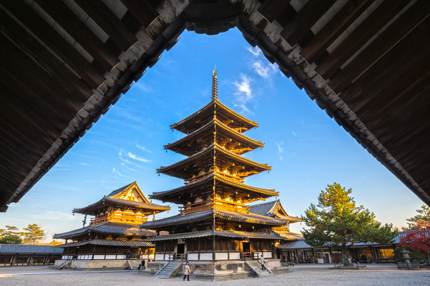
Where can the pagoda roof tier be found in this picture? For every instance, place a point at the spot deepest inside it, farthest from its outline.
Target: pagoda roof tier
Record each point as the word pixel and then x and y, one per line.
pixel 205 136
pixel 106 228
pixel 94 208
pixel 219 233
pixel 182 219
pixel 204 160
pixel 185 193
pixel 108 242
pixel 207 113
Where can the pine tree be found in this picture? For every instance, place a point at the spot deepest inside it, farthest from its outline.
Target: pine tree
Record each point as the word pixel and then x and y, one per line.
pixel 422 218
pixel 10 235
pixel 32 233
pixel 337 221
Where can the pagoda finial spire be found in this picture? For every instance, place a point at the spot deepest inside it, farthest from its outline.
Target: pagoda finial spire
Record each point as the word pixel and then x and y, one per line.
pixel 214 85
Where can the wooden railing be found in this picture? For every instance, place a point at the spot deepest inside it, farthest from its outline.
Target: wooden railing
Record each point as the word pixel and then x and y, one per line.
pixel 99 219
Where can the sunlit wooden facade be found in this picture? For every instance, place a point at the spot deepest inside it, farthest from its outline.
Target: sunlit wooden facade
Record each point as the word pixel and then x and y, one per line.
pixel 113 232
pixel 215 220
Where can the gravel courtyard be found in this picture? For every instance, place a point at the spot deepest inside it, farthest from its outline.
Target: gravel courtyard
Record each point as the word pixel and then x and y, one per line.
pixel 299 276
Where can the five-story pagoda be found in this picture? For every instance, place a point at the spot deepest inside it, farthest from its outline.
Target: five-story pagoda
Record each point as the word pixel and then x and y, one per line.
pixel 215 222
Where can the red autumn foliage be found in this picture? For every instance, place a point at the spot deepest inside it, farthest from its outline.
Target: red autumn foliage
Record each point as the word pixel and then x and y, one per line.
pixel 417 239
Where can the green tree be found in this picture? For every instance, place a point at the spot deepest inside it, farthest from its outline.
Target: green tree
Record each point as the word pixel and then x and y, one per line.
pixel 10 235
pixel 421 218
pixel 32 233
pixel 338 221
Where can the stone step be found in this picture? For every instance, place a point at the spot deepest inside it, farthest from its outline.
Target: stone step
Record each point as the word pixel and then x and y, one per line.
pixel 256 268
pixel 169 269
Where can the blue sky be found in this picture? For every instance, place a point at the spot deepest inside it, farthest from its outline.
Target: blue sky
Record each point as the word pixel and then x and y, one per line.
pixel 306 148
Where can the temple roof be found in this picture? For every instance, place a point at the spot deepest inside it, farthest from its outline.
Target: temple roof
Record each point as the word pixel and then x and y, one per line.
pixel 204 159
pixel 219 233
pixel 204 136
pixel 183 193
pixel 106 228
pixel 273 209
pixel 129 196
pixel 106 242
pixel 92 209
pixel 181 219
pixel 205 114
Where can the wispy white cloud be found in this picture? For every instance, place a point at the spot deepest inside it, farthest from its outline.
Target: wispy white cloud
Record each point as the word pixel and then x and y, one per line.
pixel 118 173
pixel 243 107
pixel 258 64
pixel 122 158
pixel 128 162
pixel 280 149
pixel 264 70
pixel 144 87
pixel 261 69
pixel 126 166
pixel 243 86
pixel 255 51
pixel 243 92
pixel 137 157
pixel 143 148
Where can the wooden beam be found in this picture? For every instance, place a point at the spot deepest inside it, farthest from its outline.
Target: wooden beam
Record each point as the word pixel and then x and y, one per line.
pixel 317 45
pixel 408 56
pixel 279 10
pixel 386 41
pixel 373 23
pixel 91 74
pixel 141 11
pixel 402 97
pixel 304 20
pixel 411 106
pixel 24 41
pixel 109 22
pixel 105 55
pixel 34 90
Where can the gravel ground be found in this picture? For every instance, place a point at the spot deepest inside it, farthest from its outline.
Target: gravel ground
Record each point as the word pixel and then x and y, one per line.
pixel 42 276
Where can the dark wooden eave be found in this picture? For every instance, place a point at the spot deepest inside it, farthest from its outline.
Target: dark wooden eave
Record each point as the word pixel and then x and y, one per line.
pixel 208 215
pixel 204 159
pixel 204 136
pixel 365 62
pixel 109 242
pixel 106 229
pixel 204 185
pixel 202 116
pixel 218 233
pixel 106 202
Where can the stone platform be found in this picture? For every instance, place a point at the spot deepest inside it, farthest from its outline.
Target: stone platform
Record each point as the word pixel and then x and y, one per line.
pixel 222 270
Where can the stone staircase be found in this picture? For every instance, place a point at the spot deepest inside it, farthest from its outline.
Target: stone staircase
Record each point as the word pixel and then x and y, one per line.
pixel 168 270
pixel 65 264
pixel 255 267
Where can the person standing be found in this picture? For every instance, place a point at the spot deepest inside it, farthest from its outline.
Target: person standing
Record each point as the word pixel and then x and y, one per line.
pixel 262 262
pixel 187 271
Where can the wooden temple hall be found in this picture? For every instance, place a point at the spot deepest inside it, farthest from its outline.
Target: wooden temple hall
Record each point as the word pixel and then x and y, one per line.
pixel 215 222
pixel 113 235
